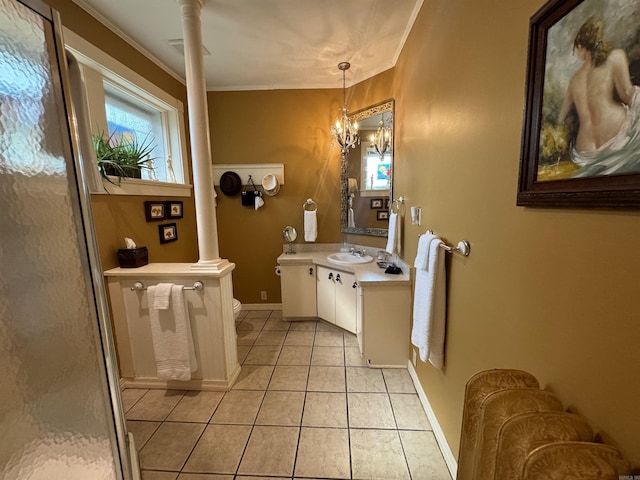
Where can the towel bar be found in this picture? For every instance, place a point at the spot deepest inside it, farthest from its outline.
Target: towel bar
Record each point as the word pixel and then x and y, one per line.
pixel 139 286
pixel 463 247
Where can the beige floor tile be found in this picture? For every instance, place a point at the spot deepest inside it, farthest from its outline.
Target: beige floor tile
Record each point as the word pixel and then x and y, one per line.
pixel 271 337
pixel 130 396
pixel 323 326
pixel 155 405
pixel 141 431
pixel 243 350
pixel 170 446
pixel 204 476
pixel 350 340
pixel 263 355
pixel 247 337
pixel 323 452
pixel 152 475
pixel 275 314
pixel 261 314
pixel 370 410
pixel 326 379
pixel 353 358
pixel 295 355
pixel 329 339
pixel 325 410
pixel 253 377
pixel 252 323
pixel 423 456
pixel 196 406
pixel 238 407
pixel 398 380
pixel 328 356
pixel 365 380
pixel 281 408
pixel 271 451
pixel 289 377
pixel 378 454
pixel 303 326
pixel 409 412
pixel 295 337
pixel 276 324
pixel 242 315
pixel 219 449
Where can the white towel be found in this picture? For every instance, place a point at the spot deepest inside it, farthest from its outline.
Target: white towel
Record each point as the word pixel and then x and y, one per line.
pixel 310 226
pixel 171 336
pixel 422 255
pixel 353 186
pixel 429 304
pixel 394 239
pixel 351 221
pixel 162 294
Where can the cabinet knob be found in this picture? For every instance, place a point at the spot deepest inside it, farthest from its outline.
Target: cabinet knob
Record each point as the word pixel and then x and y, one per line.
pixel 310 271
pixel 338 278
pixel 330 275
pixel 355 285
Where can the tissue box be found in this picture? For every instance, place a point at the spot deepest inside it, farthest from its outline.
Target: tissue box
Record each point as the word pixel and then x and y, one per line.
pixel 133 257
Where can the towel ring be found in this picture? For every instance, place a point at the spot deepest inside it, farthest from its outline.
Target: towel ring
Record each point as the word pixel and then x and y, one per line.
pixel 309 205
pixel 396 204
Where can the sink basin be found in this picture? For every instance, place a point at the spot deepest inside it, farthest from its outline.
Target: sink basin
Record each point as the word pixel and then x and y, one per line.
pixel 348 258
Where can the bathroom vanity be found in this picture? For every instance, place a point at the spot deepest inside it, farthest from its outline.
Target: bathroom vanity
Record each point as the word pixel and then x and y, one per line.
pixel 359 298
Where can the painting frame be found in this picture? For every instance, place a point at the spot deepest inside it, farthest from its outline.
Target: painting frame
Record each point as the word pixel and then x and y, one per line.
pixel 174 209
pixel 375 203
pixel 168 232
pixel 154 211
pixel 599 191
pixel 382 215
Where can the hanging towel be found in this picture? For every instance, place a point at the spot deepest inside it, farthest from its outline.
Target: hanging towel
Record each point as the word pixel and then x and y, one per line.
pixel 162 294
pixel 310 226
pixel 351 221
pixel 429 306
pixel 171 336
pixel 353 186
pixel 394 240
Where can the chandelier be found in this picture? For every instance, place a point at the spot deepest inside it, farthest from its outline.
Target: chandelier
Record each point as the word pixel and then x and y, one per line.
pixel 381 140
pixel 344 131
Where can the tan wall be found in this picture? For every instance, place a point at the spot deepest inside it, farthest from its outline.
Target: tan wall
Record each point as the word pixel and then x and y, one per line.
pixel 280 126
pixel 118 216
pixel 551 291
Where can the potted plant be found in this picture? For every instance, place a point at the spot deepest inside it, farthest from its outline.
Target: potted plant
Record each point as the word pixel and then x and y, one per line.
pixel 122 156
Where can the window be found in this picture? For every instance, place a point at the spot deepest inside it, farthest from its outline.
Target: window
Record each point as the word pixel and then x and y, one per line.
pixel 121 103
pixel 376 171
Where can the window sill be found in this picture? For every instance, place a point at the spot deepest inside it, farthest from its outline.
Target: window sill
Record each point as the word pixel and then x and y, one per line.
pixel 132 186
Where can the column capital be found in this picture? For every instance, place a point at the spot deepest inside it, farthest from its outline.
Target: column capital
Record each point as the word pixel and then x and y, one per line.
pixel 191 3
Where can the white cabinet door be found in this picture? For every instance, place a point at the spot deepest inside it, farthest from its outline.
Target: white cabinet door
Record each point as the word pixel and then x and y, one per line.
pixel 298 285
pixel 326 294
pixel 346 294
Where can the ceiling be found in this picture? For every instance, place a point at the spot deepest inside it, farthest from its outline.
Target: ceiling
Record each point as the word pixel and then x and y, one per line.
pixel 269 44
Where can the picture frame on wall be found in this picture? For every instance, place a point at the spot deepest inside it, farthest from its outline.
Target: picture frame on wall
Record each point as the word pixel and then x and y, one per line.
pixel 563 163
pixel 174 209
pixel 154 211
pixel 375 203
pixel 168 232
pixel 382 215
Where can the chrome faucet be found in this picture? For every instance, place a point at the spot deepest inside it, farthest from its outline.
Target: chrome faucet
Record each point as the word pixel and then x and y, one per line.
pixel 358 253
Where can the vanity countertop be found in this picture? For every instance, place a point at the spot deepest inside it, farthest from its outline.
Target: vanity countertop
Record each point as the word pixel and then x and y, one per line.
pixel 367 274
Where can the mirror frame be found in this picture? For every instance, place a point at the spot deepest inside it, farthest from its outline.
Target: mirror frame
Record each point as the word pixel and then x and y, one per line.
pixel 378 108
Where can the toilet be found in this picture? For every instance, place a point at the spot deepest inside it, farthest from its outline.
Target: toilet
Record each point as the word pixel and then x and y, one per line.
pixel 237 306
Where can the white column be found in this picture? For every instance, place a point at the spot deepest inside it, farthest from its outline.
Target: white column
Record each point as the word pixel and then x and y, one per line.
pixel 199 131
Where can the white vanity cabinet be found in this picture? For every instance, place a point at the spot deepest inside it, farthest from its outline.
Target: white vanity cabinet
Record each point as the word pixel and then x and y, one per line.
pixel 383 317
pixel 298 285
pixel 336 298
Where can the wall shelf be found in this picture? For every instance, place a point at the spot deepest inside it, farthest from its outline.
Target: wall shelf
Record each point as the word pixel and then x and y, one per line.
pixel 256 170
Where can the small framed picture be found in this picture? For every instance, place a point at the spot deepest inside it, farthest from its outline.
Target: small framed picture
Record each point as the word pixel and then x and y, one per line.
pixel 154 211
pixel 375 203
pixel 383 215
pixel 168 232
pixel 174 209
pixel 386 204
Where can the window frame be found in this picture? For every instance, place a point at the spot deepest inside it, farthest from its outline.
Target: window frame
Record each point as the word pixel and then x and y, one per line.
pixel 98 67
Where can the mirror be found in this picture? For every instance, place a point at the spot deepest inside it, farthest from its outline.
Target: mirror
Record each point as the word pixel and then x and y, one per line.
pixel 366 176
pixel 289 234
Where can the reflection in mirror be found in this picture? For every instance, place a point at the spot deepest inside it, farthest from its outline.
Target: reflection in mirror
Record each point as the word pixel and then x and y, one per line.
pixel 289 234
pixel 366 176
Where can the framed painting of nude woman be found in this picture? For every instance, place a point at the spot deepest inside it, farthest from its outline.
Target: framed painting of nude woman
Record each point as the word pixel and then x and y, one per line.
pixel 581 127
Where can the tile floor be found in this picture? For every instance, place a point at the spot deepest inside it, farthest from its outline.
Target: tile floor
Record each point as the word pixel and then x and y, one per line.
pixel 304 407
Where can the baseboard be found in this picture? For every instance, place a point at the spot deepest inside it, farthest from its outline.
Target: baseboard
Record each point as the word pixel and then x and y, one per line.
pixel 261 306
pixel 449 458
pixel 203 385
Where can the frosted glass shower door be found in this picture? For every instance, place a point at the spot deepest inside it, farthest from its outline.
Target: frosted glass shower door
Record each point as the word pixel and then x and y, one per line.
pixel 59 414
